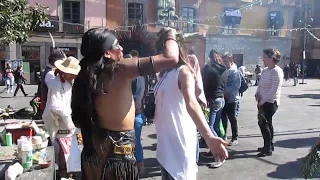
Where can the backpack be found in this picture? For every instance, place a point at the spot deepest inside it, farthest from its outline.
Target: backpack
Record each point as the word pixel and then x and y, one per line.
pixel 149 101
pixel 134 86
pixel 208 81
pixel 17 75
pixel 244 86
pixel 258 70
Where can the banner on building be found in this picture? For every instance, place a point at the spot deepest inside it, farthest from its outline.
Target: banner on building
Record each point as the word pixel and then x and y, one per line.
pixel 14 63
pixel 26 70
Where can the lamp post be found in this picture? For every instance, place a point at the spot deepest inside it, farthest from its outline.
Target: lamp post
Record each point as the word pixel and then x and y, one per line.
pixel 306 22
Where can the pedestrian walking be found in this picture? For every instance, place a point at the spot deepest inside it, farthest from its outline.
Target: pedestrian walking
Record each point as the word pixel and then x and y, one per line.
pixel 20 80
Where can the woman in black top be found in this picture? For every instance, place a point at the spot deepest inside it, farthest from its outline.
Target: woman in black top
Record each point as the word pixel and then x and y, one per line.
pixel 20 80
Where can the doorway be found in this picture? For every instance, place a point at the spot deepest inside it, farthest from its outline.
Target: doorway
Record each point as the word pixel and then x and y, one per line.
pixel 238 59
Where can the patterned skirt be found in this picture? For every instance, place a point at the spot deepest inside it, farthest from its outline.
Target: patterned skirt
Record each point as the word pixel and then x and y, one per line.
pixel 114 158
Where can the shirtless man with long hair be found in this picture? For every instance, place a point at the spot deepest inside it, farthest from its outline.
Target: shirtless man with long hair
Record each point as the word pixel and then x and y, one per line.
pixel 103 106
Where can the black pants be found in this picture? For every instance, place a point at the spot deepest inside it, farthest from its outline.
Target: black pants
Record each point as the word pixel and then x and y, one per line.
pixel 229 112
pixel 19 86
pixel 266 111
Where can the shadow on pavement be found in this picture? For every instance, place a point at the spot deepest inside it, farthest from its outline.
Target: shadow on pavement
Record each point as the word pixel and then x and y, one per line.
pixel 312 90
pixel 290 170
pixel 286 133
pixel 314 105
pixel 152 136
pixel 309 96
pixel 153 147
pixel 233 154
pixel 296 143
pixel 152 167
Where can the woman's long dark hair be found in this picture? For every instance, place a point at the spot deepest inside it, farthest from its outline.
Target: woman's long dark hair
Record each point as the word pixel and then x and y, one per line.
pixel 95 69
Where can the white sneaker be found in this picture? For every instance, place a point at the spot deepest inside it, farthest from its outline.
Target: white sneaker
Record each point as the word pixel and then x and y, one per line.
pixel 217 164
pixel 11 91
pixel 8 90
pixel 233 142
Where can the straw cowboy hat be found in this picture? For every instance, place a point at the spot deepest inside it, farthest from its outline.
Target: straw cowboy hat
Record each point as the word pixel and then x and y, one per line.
pixel 69 65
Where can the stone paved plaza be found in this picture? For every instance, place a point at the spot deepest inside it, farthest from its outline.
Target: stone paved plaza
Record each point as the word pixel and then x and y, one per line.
pixel 296 129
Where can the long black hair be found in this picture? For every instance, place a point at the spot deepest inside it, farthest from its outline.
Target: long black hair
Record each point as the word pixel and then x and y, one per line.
pixel 95 70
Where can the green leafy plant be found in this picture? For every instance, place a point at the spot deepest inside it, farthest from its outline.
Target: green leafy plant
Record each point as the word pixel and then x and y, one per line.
pixel 206 112
pixel 18 19
pixel 311 163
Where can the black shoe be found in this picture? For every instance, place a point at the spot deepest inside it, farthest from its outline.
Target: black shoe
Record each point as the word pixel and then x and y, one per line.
pixel 207 155
pixel 25 95
pixel 265 153
pixel 261 148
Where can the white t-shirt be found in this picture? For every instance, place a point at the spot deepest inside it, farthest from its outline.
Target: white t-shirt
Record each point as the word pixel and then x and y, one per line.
pixel 176 131
pixel 242 69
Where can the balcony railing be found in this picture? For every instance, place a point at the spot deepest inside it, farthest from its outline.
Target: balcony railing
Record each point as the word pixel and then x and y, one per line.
pixel 74 28
pixel 296 3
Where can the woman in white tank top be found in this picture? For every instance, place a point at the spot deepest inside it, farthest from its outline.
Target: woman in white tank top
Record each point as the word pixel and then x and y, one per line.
pixel 177 117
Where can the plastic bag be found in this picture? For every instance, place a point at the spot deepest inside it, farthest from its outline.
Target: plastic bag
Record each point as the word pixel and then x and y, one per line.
pixel 73 159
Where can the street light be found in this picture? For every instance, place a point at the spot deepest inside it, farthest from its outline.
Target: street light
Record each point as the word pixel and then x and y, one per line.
pixel 306 22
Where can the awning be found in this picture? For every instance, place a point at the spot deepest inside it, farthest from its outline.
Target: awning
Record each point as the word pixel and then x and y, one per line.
pixel 232 16
pixel 276 19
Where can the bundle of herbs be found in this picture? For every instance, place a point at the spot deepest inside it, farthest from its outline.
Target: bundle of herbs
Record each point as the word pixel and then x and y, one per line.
pixel 206 112
pixel 311 163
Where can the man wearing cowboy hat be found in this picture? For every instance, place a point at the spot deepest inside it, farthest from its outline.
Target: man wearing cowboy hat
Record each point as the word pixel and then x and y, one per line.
pixel 57 113
pixel 48 75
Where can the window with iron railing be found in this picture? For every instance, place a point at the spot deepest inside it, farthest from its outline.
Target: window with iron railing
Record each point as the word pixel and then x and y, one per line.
pixel 72 21
pixel 273 1
pixel 231 29
pixel 135 13
pixel 273 31
pixel 188 14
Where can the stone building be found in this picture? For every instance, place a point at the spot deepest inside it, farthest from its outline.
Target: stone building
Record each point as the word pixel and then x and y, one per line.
pixel 236 33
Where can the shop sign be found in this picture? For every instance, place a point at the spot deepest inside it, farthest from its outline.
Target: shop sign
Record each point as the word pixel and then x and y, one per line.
pixel 51 25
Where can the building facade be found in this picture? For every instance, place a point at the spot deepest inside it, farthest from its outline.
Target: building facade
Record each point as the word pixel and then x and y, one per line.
pixel 307 15
pixel 153 12
pixel 236 33
pixel 68 20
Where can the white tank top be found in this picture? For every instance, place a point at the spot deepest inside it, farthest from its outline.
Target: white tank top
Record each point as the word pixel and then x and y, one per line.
pixel 176 131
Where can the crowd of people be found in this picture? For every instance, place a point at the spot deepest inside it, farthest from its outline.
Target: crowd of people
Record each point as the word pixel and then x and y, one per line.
pixel 106 96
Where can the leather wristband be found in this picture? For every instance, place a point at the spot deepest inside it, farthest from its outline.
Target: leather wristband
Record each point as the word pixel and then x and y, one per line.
pixel 146 67
pixel 170 39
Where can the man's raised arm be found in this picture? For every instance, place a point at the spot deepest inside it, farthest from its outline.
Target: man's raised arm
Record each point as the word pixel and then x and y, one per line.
pixel 133 67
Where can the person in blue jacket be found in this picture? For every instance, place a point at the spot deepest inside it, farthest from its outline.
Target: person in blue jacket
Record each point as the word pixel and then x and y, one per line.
pixel 231 95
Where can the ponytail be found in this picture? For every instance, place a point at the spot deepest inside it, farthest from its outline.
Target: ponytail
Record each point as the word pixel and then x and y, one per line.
pixel 83 105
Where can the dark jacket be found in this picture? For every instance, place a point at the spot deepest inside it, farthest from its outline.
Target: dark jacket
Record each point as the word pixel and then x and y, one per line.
pixel 19 77
pixel 44 88
pixel 214 78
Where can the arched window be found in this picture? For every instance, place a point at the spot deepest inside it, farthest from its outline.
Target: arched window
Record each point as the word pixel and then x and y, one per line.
pixel 135 13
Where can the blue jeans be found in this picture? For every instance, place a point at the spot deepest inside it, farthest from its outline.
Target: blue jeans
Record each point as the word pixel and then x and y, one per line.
pixel 198 138
pixel 138 124
pixel 238 108
pixel 216 107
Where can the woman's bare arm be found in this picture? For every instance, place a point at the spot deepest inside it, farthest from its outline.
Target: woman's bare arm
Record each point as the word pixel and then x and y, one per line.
pixel 186 85
pixel 168 59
